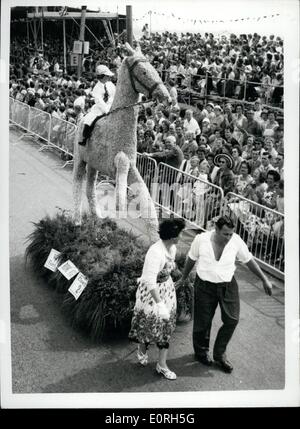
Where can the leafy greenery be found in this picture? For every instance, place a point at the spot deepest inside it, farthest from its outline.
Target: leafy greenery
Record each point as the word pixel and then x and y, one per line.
pixel 111 258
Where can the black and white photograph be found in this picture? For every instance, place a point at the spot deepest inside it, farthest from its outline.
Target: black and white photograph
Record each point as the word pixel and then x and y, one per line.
pixel 149 204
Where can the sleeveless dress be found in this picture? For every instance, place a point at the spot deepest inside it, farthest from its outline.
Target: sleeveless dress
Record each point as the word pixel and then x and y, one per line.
pixel 146 325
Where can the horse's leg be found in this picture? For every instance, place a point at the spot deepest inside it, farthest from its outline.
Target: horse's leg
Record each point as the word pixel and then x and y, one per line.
pixel 78 175
pixel 122 165
pixel 144 200
pixel 91 178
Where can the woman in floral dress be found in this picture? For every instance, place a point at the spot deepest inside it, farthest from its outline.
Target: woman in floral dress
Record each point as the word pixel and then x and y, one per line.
pixel 154 316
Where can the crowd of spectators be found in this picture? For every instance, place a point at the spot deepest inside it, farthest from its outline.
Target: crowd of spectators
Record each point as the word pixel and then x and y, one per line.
pixel 253 139
pixel 248 66
pixel 249 133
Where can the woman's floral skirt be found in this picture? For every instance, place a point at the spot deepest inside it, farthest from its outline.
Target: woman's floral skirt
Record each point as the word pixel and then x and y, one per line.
pixel 146 325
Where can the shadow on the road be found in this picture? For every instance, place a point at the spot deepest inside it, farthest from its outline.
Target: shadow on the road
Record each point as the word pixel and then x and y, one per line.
pixel 35 303
pixel 124 375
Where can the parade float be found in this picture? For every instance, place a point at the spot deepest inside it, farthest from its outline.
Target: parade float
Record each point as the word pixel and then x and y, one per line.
pixel 90 260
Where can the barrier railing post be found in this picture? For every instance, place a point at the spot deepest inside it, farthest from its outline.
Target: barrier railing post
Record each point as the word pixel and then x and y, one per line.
pixel 245 88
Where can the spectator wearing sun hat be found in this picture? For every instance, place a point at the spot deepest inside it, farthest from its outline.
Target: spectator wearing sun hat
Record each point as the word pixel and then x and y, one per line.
pixel 224 176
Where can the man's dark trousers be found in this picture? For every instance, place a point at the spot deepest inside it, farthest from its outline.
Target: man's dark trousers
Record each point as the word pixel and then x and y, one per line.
pixel 207 296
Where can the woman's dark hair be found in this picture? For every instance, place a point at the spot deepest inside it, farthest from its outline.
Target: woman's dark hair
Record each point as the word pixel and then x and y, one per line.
pixel 148 111
pixel 237 148
pixel 170 228
pixel 247 165
pixel 166 123
pixel 239 104
pixel 274 174
pixel 224 220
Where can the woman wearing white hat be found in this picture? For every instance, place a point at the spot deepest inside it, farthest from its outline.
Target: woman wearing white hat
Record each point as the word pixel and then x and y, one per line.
pixel 103 94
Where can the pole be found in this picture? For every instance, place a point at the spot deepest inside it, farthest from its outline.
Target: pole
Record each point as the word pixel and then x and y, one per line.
pixel 245 88
pixel 150 15
pixel 81 38
pixel 35 36
pixel 118 25
pixel 35 32
pixel 27 24
pixel 65 49
pixel 129 24
pixel 42 32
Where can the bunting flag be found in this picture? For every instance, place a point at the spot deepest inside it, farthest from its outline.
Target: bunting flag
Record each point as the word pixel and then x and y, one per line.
pixel 205 21
pixel 63 11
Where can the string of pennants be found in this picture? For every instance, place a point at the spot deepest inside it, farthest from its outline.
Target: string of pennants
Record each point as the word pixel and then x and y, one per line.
pixel 205 21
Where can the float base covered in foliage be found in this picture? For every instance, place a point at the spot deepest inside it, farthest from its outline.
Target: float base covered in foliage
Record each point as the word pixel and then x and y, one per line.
pixel 110 258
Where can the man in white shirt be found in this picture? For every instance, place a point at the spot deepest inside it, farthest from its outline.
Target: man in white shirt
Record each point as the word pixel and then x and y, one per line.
pixel 216 253
pixel 103 93
pixel 190 124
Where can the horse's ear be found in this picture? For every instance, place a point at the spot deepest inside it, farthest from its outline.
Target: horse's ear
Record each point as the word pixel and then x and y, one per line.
pixel 130 50
pixel 138 48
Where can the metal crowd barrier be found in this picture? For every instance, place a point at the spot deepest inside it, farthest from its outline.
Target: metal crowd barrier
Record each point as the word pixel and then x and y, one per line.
pixel 39 123
pixel 62 135
pixel 147 167
pixel 55 132
pixel 194 199
pixel 20 114
pixel 260 227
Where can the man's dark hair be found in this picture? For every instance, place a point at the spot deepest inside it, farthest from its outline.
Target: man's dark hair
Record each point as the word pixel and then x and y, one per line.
pixel 224 220
pixel 170 228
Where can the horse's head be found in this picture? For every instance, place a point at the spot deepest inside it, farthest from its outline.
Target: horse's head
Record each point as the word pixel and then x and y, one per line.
pixel 144 78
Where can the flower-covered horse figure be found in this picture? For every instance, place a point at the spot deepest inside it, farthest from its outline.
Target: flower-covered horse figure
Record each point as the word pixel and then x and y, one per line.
pixel 112 147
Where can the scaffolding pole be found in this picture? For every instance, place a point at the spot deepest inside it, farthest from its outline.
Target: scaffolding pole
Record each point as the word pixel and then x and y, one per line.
pixel 129 24
pixel 65 48
pixel 81 38
pixel 27 25
pixel 42 33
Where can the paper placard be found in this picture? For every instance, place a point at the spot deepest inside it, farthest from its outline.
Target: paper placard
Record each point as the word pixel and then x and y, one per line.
pixel 78 285
pixel 74 60
pixel 52 260
pixel 68 269
pixel 86 48
pixel 77 47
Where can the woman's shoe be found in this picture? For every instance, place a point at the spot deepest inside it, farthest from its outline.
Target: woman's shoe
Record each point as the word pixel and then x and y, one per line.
pixel 166 372
pixel 142 357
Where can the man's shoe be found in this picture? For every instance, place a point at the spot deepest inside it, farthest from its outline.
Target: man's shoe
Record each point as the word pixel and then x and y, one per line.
pixel 225 365
pixel 205 359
